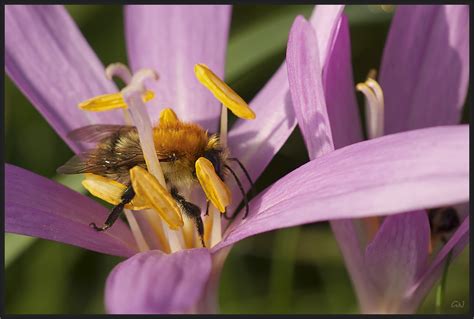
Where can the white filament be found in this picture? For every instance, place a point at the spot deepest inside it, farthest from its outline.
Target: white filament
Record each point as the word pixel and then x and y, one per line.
pixel 216 227
pixel 122 72
pixel 132 95
pixel 374 107
pixel 118 70
pixel 136 232
pixel 223 128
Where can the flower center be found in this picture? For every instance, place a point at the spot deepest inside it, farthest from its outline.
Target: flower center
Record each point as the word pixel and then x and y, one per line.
pixel 159 203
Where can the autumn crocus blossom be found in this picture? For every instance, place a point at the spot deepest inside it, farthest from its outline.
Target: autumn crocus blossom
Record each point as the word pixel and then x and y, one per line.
pixel 423 83
pixel 49 60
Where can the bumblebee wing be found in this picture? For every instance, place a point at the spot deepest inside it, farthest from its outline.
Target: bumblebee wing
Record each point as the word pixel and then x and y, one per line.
pixel 82 163
pixel 87 162
pixel 98 132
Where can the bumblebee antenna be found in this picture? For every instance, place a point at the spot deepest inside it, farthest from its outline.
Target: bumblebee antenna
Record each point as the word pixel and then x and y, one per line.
pixel 243 194
pixel 252 185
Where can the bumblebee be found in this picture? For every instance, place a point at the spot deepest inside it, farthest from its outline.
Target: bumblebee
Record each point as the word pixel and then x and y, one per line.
pixel 178 146
pixel 443 222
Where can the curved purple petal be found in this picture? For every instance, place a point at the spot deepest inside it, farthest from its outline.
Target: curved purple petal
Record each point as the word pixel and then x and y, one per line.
pixel 171 40
pixel 455 245
pixel 339 90
pixel 343 115
pixel 36 206
pixel 425 66
pixel 256 142
pixel 153 282
pixel 50 61
pixel 388 175
pixel 396 257
pixel 324 19
pixel 305 77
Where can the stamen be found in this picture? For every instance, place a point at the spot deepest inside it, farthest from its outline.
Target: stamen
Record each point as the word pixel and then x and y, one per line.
pixel 168 116
pixel 208 223
pixel 189 228
pixel 159 230
pixel 223 92
pixel 142 122
pixel 380 109
pixel 107 102
pixel 175 239
pixel 136 232
pixel 123 73
pixel 374 105
pixel 216 230
pixel 131 98
pixel 111 191
pixel 148 187
pixel 145 132
pixel 118 70
pixel 216 190
pixel 213 222
pixel 144 74
pixel 189 232
pixel 223 128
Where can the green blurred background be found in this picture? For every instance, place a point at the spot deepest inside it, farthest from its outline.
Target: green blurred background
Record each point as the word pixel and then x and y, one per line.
pixel 297 270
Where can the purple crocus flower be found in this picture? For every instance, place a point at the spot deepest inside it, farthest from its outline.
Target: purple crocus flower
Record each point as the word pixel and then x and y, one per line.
pixel 423 83
pixel 50 61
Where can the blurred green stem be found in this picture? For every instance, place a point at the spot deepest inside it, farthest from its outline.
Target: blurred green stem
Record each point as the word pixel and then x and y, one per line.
pixel 282 270
pixel 442 285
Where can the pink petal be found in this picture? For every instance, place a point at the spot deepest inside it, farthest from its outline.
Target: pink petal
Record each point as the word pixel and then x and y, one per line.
pixel 36 206
pixel 153 282
pixel 395 258
pixel 171 40
pixel 325 19
pixel 425 66
pixel 50 61
pixel 339 89
pixel 347 236
pixel 346 130
pixel 388 175
pixel 256 142
pixel 305 78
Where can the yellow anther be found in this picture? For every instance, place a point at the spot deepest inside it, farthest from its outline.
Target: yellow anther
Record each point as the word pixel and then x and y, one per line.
pixel 148 187
pixel 168 116
pixel 108 102
pixel 223 92
pixel 216 190
pixel 111 191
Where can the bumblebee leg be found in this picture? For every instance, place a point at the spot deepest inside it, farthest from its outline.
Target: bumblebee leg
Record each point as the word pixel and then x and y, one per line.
pixel 207 207
pixel 127 196
pixel 192 211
